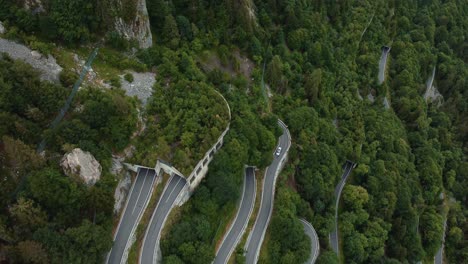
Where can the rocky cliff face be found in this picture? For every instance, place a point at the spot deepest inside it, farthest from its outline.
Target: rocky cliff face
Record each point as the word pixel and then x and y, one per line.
pixel 128 17
pixel 133 21
pixel 35 6
pixel 83 164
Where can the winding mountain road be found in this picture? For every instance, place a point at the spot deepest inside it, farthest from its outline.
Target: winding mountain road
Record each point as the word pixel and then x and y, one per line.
pixel 430 80
pixel 256 236
pixel 315 246
pixel 383 63
pixel 348 167
pixel 173 188
pixel 439 257
pixel 137 201
pixel 236 230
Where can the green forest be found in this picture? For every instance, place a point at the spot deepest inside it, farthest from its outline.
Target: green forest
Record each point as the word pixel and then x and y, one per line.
pixel 320 62
pixel 48 217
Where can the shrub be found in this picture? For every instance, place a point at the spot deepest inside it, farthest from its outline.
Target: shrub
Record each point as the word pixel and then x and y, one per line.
pixel 68 77
pixel 115 82
pixel 43 48
pixel 116 41
pixel 129 77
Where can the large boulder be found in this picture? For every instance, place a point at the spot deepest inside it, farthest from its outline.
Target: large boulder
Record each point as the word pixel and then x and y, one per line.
pixel 83 164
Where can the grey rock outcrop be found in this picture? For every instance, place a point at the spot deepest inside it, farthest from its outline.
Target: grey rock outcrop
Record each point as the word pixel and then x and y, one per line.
pixel 121 192
pixel 117 166
pixel 2 28
pixel 35 6
pixel 128 17
pixel 83 164
pixel 137 28
pixel 47 65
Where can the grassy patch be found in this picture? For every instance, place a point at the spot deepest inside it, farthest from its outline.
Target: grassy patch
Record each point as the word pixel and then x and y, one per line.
pixel 108 65
pixel 64 58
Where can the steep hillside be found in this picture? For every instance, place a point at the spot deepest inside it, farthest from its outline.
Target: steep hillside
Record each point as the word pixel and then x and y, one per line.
pixel 349 78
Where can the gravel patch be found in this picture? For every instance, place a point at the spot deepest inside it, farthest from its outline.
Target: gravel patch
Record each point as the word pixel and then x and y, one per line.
pixel 433 95
pixel 141 87
pixel 47 66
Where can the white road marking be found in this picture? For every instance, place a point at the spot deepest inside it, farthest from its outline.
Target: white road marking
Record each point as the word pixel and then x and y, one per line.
pixel 138 197
pixel 169 196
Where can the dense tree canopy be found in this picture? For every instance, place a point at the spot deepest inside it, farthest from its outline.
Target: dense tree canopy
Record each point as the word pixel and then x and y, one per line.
pixel 320 61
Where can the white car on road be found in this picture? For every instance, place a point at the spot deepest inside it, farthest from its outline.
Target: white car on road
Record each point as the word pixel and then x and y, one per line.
pixel 278 151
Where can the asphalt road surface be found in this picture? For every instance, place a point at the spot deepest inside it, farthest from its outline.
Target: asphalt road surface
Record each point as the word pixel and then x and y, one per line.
pixel 255 239
pixel 315 246
pixel 166 202
pixel 439 257
pixel 236 230
pixel 136 204
pixel 334 235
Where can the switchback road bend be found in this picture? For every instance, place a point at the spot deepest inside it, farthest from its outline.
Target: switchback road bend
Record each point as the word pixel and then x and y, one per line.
pixel 134 208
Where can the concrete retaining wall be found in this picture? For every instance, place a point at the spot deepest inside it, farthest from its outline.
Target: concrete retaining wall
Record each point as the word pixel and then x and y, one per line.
pixel 201 169
pixel 134 167
pixel 167 168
